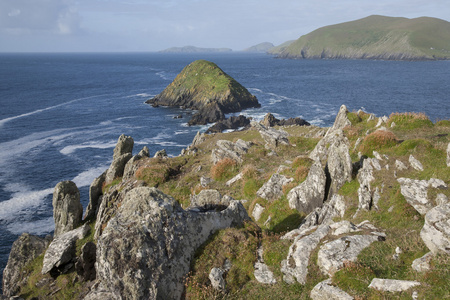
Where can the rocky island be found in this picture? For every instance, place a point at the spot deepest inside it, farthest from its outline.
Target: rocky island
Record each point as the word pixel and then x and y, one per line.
pixel 374 37
pixel 357 210
pixel 203 86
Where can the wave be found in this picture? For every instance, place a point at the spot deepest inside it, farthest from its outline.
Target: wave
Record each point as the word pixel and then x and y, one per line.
pixel 39 227
pixel 163 75
pixel 67 150
pixel 21 201
pixel 3 121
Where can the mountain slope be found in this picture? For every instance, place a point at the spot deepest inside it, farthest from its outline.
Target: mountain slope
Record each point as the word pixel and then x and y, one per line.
pixel 262 47
pixel 376 37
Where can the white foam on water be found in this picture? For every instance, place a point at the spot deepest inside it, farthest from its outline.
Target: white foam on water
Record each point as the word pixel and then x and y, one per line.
pixel 39 227
pixel 85 178
pixel 67 150
pixel 21 201
pixel 177 132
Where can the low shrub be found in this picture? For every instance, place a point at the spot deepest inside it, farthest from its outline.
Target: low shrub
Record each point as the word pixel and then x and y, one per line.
pixel 380 139
pixel 224 169
pixel 408 121
pixel 154 174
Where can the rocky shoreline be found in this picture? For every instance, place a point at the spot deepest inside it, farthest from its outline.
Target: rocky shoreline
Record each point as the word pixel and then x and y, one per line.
pixel 137 242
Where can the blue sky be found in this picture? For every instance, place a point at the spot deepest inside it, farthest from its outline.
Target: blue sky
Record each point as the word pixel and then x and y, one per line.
pixel 153 25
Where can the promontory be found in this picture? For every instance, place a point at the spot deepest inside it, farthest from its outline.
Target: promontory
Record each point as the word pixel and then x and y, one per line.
pixel 375 37
pixel 203 86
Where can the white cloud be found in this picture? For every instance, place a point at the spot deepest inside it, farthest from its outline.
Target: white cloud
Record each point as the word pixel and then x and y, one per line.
pixel 38 16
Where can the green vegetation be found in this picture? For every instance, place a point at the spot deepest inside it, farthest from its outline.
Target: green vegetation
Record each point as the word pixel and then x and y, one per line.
pixel 376 37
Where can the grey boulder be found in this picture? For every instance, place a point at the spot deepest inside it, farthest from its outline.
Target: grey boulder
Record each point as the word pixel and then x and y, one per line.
pixel 67 208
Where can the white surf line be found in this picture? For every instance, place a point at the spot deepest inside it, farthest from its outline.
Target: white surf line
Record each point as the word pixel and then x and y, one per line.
pixel 3 121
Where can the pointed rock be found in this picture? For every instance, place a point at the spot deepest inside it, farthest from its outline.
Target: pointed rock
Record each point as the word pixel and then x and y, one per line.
pixel 326 291
pixel 436 230
pixel 273 189
pixel 415 163
pixel 67 208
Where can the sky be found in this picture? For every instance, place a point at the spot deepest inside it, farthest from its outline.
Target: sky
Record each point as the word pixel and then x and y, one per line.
pixel 154 25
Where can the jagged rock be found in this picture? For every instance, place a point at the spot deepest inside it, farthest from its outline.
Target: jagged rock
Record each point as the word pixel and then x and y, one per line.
pixel 273 137
pixel 208 198
pixel 270 121
pixel 441 199
pixel 392 285
pixel 341 120
pixel 257 211
pixel 85 264
pixel 26 248
pixel 216 278
pixel 377 155
pixel 376 164
pixel 437 183
pixel 382 120
pixel 146 249
pixel 311 192
pixel 400 165
pixel 343 227
pixel 415 163
pixel 448 155
pixel 234 179
pixel 205 181
pixel 227 149
pixel 422 264
pixel 262 272
pixel 339 165
pixel 296 264
pixel 233 122
pixel 62 249
pixel 332 255
pixel 131 166
pixel 95 193
pixel 160 154
pixel 198 139
pixel 122 154
pixel 436 230
pixel 67 208
pixel 326 291
pixel 416 194
pixel 273 189
pixel 333 137
pixel 365 177
pixel 335 207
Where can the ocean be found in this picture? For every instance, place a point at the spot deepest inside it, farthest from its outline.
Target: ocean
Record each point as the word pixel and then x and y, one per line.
pixel 61 114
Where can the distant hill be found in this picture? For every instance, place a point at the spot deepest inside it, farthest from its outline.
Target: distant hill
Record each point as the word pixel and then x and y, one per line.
pixel 280 48
pixel 376 37
pixel 192 49
pixel 261 48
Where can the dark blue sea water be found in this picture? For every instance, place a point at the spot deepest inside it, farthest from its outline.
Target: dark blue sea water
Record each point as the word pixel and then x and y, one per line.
pixel 61 114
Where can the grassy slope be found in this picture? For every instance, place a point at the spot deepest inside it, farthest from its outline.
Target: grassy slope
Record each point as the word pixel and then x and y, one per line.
pixel 414 134
pixel 376 37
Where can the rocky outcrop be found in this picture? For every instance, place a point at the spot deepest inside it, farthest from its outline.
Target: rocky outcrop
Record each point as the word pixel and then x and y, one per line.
pixel 332 255
pixel 325 290
pixel 365 177
pixel 416 192
pixel 422 264
pixel 24 250
pixel 436 230
pixel 392 285
pixel 270 121
pixel 85 265
pixel 227 149
pixel 448 155
pixel 233 122
pixel 257 211
pixel 59 257
pixel 273 189
pixel 339 165
pixel 216 278
pixel 95 193
pixel 146 249
pixel 209 199
pixel 415 163
pixel 271 136
pixel 296 264
pixel 122 154
pixel 262 272
pixel 67 208
pixel 311 192
pixel 203 86
pixel 131 166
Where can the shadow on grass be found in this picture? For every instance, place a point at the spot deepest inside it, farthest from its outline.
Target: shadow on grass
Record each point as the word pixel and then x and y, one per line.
pixel 291 222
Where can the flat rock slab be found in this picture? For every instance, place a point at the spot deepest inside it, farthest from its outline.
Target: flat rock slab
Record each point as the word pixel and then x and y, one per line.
pixel 392 285
pixel 62 248
pixel 332 255
pixel 326 291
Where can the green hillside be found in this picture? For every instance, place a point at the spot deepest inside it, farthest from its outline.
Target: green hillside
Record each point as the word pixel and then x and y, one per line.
pixel 376 37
